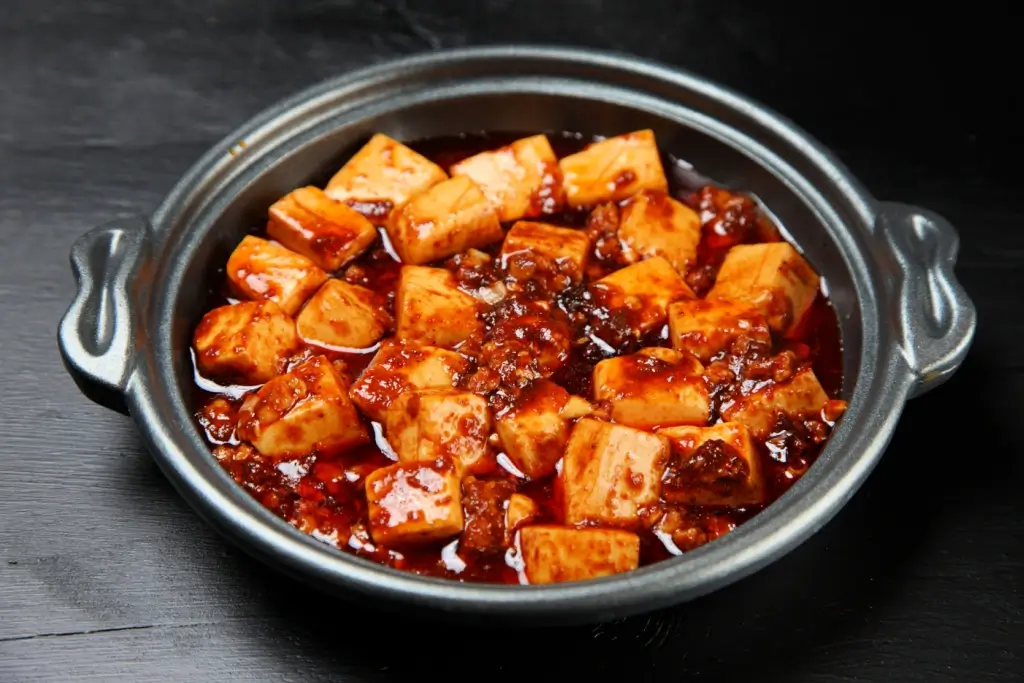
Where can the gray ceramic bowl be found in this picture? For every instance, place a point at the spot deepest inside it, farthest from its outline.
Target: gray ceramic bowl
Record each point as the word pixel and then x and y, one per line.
pixel 906 323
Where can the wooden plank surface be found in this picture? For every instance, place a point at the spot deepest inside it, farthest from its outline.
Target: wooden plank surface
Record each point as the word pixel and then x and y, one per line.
pixel 105 574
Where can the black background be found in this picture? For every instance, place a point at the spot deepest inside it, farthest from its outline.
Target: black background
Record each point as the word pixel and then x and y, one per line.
pixel 105 575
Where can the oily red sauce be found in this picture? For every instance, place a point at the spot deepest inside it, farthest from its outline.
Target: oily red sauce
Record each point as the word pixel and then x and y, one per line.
pixel 325 496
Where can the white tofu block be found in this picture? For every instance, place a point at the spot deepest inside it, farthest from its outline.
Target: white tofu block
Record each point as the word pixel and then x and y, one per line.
pixel 431 309
pixel 306 410
pixel 323 230
pixel 552 250
pixel 260 269
pixel 450 217
pixel 535 430
pixel 713 466
pixel 341 315
pixel 422 425
pixel 774 277
pixel 610 472
pixel 246 343
pixel 801 395
pixel 613 169
pixel 554 554
pixel 706 328
pixel 398 367
pixel 643 292
pixel 653 387
pixel 519 510
pixel 655 224
pixel 414 503
pixel 522 179
pixel 382 176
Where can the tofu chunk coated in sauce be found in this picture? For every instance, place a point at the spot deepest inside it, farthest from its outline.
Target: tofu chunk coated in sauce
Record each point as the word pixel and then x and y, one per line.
pixel 483 360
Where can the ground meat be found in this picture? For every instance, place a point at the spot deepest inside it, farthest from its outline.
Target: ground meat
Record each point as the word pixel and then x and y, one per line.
pixel 483 503
pixel 778 368
pixel 714 465
pixel 701 278
pixel 687 529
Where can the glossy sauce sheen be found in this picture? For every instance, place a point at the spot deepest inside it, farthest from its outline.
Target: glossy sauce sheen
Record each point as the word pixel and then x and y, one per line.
pixel 325 496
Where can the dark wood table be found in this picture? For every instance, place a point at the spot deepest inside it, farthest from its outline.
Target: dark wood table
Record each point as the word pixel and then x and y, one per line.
pixel 105 575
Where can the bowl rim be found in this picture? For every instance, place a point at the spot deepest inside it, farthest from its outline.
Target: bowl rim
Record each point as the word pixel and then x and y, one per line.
pixel 882 386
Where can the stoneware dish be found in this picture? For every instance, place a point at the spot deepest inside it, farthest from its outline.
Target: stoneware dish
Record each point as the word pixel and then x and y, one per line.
pixel 906 323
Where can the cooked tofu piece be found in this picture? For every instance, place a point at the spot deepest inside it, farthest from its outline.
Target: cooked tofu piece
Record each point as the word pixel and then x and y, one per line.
pixel 303 411
pixel 706 328
pixel 450 217
pixel 327 232
pixel 260 269
pixel 716 466
pixel 341 315
pixel 519 510
pixel 558 251
pixel 535 430
pixel 414 503
pixel 653 387
pixel 398 367
pixel 613 169
pixel 643 291
pixel 610 472
pixel 801 395
pixel 553 554
pixel 246 343
pixel 424 424
pixel 382 176
pixel 483 507
pixel 774 277
pixel 522 179
pixel 431 309
pixel 655 224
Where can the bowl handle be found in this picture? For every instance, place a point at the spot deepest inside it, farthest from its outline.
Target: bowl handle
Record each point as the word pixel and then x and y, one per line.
pixel 97 335
pixel 936 317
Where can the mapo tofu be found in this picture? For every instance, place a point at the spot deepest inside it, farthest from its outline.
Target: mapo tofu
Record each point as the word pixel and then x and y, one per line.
pixel 523 359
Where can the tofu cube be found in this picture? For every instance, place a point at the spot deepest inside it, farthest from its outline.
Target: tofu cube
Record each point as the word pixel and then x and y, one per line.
pixel 613 170
pixel 642 292
pixel 260 269
pixel 342 316
pixel 519 510
pixel 535 430
pixel 247 343
pixel 655 224
pixel 431 309
pixel 522 179
pixel 306 410
pixel 450 217
pixel 382 176
pixel 553 554
pixel 398 367
pixel 801 395
pixel 653 387
pixel 610 472
pixel 424 424
pixel 323 230
pixel 713 466
pixel 706 328
pixel 414 503
pixel 774 277
pixel 559 251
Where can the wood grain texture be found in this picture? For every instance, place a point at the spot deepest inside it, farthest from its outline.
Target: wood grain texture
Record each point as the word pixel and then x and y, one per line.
pixel 105 575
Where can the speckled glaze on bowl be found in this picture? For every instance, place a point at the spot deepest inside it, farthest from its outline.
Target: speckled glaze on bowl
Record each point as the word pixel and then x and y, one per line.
pixel 906 324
